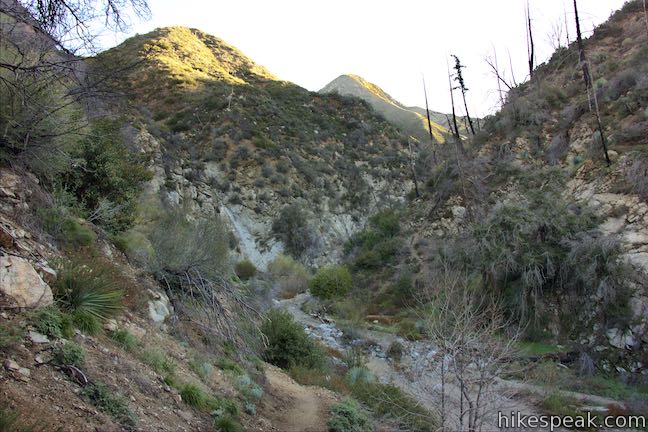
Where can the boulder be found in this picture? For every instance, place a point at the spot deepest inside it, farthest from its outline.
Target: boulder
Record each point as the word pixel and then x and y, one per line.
pixel 22 285
pixel 9 183
pixel 159 307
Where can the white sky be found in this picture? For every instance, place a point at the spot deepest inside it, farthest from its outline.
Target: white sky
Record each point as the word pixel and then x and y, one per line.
pixel 387 42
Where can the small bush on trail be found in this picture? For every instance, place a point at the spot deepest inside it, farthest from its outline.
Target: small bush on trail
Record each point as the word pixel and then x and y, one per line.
pixel 331 281
pixel 288 344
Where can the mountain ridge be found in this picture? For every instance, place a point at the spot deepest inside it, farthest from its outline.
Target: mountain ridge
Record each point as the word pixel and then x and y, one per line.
pixel 410 119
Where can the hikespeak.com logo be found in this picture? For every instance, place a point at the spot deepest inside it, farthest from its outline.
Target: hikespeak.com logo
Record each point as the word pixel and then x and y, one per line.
pixel 515 420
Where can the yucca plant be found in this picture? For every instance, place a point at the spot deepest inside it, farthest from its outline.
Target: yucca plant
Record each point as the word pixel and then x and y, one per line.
pixel 88 289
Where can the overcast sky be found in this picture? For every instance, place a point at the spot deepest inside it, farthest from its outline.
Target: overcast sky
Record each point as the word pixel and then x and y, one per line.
pixel 390 43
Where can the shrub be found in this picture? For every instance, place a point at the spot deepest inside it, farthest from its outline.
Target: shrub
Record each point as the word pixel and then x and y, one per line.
pixel 107 182
pixel 88 290
pixel 161 363
pixel 376 245
pixel 359 374
pixel 290 275
pixel 38 114
pixel 228 424
pixel 228 365
pixel 291 227
pixel 54 323
pixel 202 367
pixel 181 245
pixel 287 342
pixel 10 334
pixel 385 399
pixel 125 339
pixel 194 396
pixel 66 228
pixel 395 350
pixel 409 330
pixel 245 269
pixel 347 416
pixel 86 322
pixel 222 406
pixel 69 353
pixel 114 405
pixel 331 281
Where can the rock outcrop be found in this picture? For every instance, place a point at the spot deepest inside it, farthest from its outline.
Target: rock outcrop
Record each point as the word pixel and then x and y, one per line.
pixel 21 285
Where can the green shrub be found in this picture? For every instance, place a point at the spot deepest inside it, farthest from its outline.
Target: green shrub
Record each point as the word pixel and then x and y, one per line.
pixel 10 334
pixel 228 365
pixel 194 396
pixel 222 406
pixel 347 416
pixel 378 244
pixel 228 424
pixel 292 227
pixel 88 290
pixel 66 228
pixel 331 281
pixel 245 269
pixel 114 405
pixel 125 339
pixel 409 330
pixel 287 342
pixel 86 322
pixel 69 353
pixel 54 323
pixel 158 360
pixel 388 400
pixel 108 179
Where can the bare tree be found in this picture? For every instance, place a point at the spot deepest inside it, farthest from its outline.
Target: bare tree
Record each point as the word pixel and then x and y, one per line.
pixel 566 25
pixel 530 45
pixel 44 86
pixel 413 167
pixel 72 24
pixel 462 86
pixel 454 114
pixel 587 78
pixel 499 76
pixel 555 35
pixel 466 330
pixel 427 111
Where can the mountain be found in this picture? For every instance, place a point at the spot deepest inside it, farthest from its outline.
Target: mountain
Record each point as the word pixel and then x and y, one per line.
pixel 411 120
pixel 227 129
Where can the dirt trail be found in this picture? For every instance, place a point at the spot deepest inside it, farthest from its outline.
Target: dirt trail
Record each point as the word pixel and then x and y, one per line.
pixel 423 386
pixel 298 408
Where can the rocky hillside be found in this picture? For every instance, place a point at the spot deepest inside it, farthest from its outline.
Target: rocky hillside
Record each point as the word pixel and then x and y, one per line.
pixel 225 136
pixel 411 120
pixel 529 211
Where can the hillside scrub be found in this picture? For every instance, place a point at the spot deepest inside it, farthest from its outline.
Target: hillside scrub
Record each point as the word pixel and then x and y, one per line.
pixel 290 275
pixel 292 227
pixel 181 245
pixel 376 246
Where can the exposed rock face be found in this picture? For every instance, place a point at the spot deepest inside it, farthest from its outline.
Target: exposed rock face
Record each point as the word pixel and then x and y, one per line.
pixel 21 284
